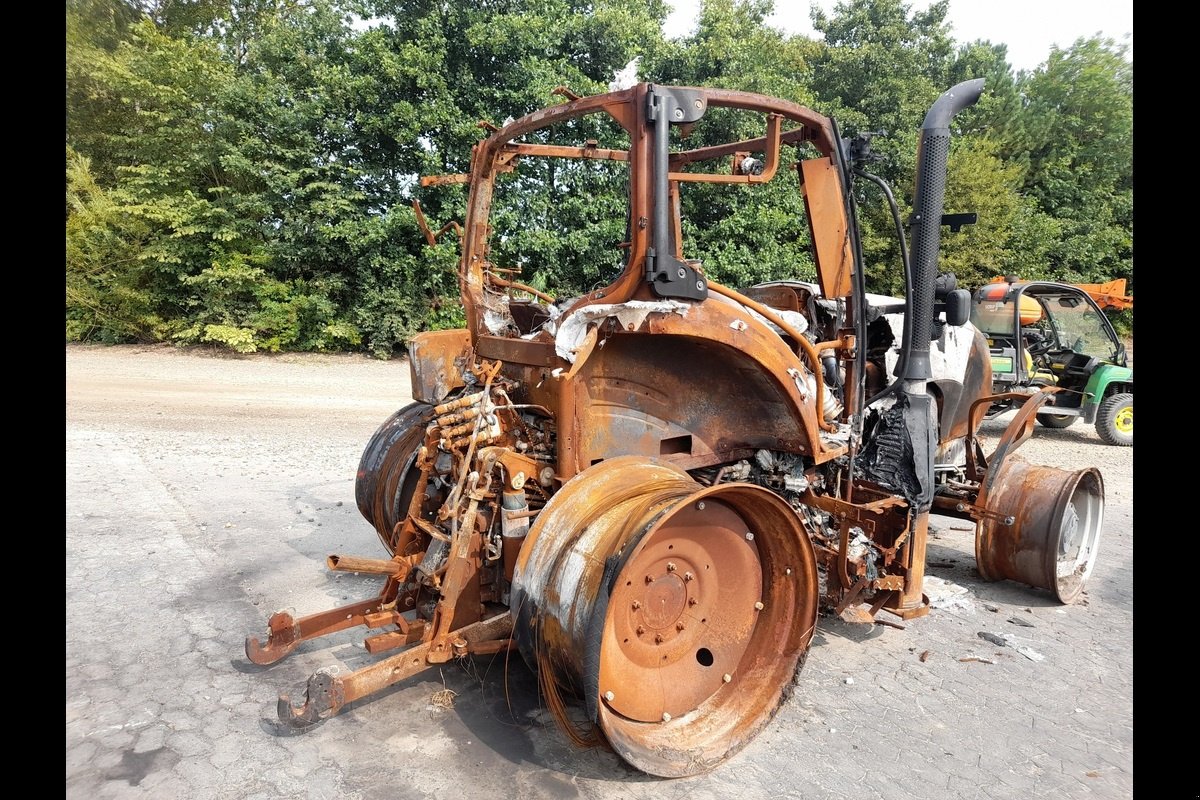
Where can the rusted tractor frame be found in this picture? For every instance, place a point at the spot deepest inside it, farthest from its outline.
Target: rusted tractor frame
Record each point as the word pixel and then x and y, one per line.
pixel 651 489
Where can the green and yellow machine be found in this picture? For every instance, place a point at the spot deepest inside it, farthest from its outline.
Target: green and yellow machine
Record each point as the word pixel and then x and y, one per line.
pixel 1042 333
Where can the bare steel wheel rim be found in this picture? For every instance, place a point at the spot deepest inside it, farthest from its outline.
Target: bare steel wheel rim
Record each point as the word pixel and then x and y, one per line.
pixel 1079 537
pixel 681 614
pixel 721 581
pixel 703 692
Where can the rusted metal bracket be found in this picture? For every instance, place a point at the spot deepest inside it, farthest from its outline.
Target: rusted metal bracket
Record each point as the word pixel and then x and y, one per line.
pixel 973 511
pixel 431 237
pixel 327 693
pixel 851 595
pixel 855 511
pixel 1017 432
pixel 769 167
pixel 286 633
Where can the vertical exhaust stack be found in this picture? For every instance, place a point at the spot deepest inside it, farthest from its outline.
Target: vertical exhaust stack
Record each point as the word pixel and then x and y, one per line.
pixel 920 417
pixel 932 155
pixel 901 452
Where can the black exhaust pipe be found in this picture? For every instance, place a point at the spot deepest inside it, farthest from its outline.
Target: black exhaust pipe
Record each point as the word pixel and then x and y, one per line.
pixel 903 445
pixel 932 154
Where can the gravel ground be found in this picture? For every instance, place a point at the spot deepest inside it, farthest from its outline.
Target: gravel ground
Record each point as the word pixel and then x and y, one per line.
pixel 204 491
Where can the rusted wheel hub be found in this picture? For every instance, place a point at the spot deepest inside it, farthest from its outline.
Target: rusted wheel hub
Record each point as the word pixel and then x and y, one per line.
pixel 681 612
pixel 680 619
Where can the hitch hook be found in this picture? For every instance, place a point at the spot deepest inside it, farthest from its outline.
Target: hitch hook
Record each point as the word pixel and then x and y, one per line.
pixel 324 696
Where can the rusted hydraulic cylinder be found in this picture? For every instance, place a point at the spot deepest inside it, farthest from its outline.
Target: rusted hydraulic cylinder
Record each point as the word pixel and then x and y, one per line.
pixel 514 527
pixel 1057 517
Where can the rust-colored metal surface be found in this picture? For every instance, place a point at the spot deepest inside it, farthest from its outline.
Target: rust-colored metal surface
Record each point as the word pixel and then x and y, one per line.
pixel 764 641
pixel 712 599
pixel 682 618
pixel 651 489
pixel 286 633
pixel 826 206
pixel 770 144
pixel 1051 544
pixel 431 236
pixel 327 693
pixel 437 361
pixel 369 566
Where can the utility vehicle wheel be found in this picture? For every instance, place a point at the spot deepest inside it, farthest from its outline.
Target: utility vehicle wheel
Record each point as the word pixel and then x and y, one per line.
pixel 1057 420
pixel 1114 420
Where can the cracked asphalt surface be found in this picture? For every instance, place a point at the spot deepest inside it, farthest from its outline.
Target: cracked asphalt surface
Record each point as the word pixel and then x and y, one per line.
pixel 204 492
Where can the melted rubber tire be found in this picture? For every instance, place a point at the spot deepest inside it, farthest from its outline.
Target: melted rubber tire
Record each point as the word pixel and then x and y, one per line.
pixel 382 486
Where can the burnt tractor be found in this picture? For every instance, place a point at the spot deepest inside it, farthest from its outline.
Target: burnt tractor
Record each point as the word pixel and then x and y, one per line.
pixel 651 490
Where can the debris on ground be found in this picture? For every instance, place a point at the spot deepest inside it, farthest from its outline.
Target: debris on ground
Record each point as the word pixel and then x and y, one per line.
pixel 857 615
pixel 998 639
pixel 991 607
pixel 848 681
pixel 925 656
pixel 1006 640
pixel 947 595
pixel 889 623
pixel 1024 623
pixel 442 699
pixel 1030 653
pixel 977 658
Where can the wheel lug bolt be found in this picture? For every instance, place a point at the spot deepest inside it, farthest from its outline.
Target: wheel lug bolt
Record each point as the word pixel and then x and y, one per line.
pixel 641 629
pixel 658 638
pixel 666 717
pixel 726 677
pixel 671 566
pixel 609 696
pixel 759 606
pixel 637 604
pixel 692 601
pixel 649 579
pixel 678 626
pixel 687 576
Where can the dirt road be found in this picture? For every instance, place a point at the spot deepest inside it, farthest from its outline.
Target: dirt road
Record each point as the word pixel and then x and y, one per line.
pixel 203 493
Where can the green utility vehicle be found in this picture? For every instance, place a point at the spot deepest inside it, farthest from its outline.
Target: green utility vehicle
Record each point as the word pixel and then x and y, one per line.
pixel 1054 334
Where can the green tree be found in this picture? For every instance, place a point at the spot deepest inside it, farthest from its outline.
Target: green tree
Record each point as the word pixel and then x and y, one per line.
pixel 743 235
pixel 241 172
pixel 1078 134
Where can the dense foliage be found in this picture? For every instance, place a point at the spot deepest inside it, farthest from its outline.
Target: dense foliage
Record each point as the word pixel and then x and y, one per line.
pixel 241 172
